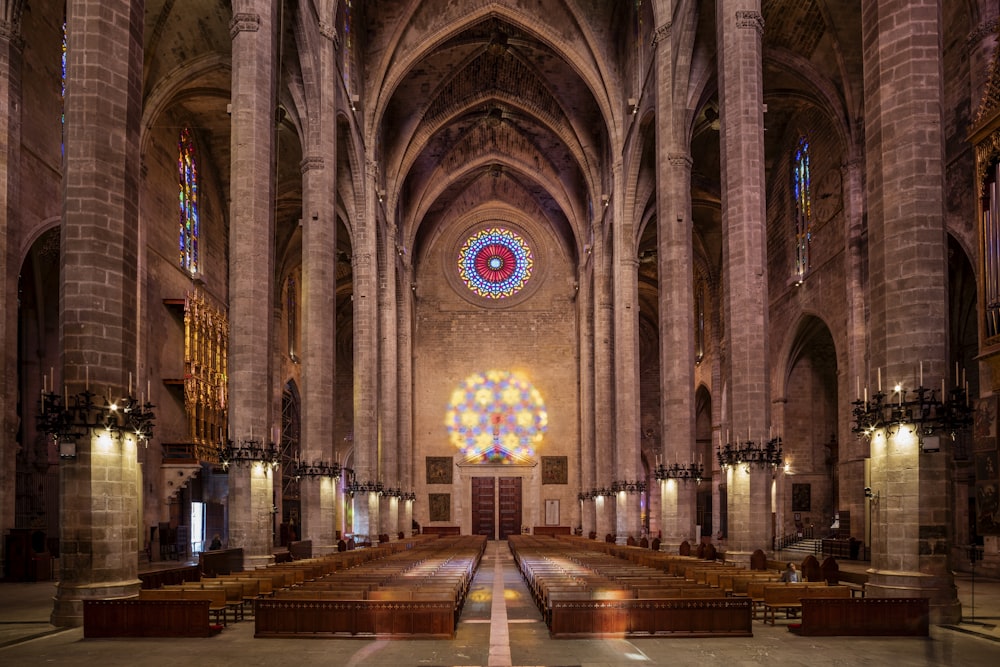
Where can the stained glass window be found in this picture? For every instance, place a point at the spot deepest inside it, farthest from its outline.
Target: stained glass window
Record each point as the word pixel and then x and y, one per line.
pixel 496 416
pixel 292 305
pixel 187 171
pixel 803 208
pixel 62 93
pixel 495 263
pixel 348 44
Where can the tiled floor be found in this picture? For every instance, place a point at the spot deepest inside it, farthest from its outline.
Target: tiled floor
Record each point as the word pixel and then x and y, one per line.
pixel 499 627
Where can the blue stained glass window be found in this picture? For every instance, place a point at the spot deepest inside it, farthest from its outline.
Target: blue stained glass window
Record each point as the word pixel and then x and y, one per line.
pixel 803 208
pixel 495 263
pixel 187 171
pixel 62 93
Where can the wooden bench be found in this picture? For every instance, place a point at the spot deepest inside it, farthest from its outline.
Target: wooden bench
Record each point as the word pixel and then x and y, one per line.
pixel 135 617
pixel 354 618
pixel 868 617
pixel 217 604
pixel 709 617
pixel 789 597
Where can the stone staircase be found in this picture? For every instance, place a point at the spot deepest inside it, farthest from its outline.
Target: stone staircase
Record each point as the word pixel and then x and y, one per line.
pixel 804 547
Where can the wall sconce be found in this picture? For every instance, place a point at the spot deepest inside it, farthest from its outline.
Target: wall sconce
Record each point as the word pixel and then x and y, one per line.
pixel 873 497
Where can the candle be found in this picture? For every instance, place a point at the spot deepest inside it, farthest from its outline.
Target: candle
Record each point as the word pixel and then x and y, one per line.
pixel 130 383
pixel 956 372
pixel 942 390
pixel 52 379
pixel 921 374
pixel 857 385
pixel 87 376
pixel 880 379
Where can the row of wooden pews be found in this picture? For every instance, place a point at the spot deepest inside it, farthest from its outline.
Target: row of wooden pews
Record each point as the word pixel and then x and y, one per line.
pixel 413 592
pixel 198 606
pixel 586 589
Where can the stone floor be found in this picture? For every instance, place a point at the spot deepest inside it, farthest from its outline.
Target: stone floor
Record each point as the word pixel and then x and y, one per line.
pixel 500 626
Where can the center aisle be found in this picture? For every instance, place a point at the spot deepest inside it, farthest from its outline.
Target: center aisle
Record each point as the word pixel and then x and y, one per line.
pixel 499 634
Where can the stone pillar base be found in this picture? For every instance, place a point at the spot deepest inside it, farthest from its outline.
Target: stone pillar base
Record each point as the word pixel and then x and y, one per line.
pixel 739 557
pixel 945 606
pixel 254 562
pixel 67 609
pixel 324 549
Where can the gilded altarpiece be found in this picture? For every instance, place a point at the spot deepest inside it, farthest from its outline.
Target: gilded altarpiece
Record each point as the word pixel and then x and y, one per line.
pixel 206 349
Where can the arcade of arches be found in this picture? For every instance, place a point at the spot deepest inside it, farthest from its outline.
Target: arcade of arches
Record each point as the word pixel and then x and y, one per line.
pixel 497 265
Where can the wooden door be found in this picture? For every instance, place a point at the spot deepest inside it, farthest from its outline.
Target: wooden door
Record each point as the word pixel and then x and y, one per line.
pixel 510 506
pixel 484 507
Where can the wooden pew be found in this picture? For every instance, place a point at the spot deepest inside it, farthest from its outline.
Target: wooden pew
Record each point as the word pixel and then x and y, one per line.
pixel 871 617
pixel 789 597
pixel 135 617
pixel 354 618
pixel 217 604
pixel 710 617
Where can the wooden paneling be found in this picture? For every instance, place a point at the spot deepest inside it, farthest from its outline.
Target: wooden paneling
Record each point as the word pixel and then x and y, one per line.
pixel 484 507
pixel 510 506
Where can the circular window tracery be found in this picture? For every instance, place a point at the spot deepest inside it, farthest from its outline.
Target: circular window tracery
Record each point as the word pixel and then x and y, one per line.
pixel 495 263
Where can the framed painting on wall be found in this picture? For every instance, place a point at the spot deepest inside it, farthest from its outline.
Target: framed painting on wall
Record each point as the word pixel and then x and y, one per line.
pixel 555 470
pixel 801 497
pixel 439 469
pixel 439 505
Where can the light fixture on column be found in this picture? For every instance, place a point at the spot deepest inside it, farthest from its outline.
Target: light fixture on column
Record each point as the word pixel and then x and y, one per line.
pixel 68 418
pixel 626 486
pixel 249 452
pixel 691 471
pixel 365 487
pixel 316 469
pixel 750 453
pixel 922 409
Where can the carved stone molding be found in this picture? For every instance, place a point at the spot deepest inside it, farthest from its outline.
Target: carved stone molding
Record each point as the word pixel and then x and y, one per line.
pixel 663 32
pixel 311 162
pixel 680 160
pixel 371 168
pixel 750 19
pixel 12 33
pixel 982 31
pixel 986 150
pixel 244 22
pixel 329 31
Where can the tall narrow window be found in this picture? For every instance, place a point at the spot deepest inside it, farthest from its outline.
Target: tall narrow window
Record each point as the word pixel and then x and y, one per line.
pixel 187 171
pixel 292 307
pixel 62 93
pixel 699 322
pixel 991 248
pixel 348 44
pixel 803 209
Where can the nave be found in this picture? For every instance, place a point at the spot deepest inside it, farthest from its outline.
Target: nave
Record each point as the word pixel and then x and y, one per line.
pixel 500 627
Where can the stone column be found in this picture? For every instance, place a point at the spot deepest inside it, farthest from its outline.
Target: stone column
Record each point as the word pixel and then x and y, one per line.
pixel 404 393
pixel 366 361
pixel 912 521
pixel 603 378
pixel 740 27
pixel 678 501
pixel 11 46
pixel 319 287
pixel 588 466
pixel 853 450
pixel 388 405
pixel 251 275
pixel 99 523
pixel 625 295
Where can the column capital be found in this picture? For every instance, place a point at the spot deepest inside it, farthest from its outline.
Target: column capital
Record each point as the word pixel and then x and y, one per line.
pixel 243 22
pixel 981 32
pixel 680 160
pixel 311 162
pixel 329 31
pixel 11 31
pixel 750 19
pixel 663 32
